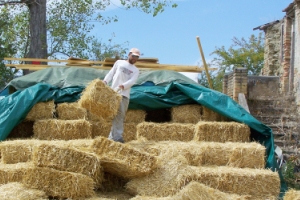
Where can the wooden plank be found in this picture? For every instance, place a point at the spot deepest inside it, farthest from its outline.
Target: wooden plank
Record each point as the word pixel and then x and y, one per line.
pixel 38 67
pixel 30 67
pixel 106 64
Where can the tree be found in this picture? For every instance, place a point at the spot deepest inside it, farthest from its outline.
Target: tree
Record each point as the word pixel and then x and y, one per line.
pixel 216 79
pixel 242 53
pixel 6 74
pixel 59 26
pixel 248 54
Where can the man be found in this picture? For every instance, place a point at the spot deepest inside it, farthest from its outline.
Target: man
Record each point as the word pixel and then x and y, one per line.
pixel 123 75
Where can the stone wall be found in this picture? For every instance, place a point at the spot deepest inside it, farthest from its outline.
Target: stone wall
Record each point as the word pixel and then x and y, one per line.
pixel 272 50
pixel 263 87
pixel 253 87
pixel 296 62
pixel 286 59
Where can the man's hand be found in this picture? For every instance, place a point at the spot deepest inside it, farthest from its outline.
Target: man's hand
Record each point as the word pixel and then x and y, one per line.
pixel 121 87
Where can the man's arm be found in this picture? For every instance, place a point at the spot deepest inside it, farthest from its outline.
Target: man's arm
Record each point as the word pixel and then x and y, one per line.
pixel 131 81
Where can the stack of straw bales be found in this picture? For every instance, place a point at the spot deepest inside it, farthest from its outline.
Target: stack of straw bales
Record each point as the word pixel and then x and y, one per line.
pixel 71 169
pixel 198 154
pixel 88 118
pixel 40 111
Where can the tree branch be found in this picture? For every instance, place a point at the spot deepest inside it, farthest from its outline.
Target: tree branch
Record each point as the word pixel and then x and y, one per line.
pixel 5 2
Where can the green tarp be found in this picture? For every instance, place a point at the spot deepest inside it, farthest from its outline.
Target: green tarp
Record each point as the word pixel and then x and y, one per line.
pixel 153 90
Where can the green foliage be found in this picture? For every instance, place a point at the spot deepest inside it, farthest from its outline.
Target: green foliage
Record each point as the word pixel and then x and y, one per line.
pixel 289 175
pixel 6 74
pixel 148 6
pixel 242 53
pixel 16 31
pixel 216 80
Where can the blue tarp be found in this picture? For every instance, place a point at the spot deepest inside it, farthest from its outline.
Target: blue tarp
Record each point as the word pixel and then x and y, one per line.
pixel 4 92
pixel 166 94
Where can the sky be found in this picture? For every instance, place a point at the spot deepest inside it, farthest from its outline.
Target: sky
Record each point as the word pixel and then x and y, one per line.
pixel 171 35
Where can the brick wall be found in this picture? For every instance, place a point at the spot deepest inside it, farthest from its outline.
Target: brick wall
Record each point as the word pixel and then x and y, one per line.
pixel 235 83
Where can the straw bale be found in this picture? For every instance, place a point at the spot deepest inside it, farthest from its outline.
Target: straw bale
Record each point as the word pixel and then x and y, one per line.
pixel 135 116
pixel 210 115
pixel 70 111
pixel 292 194
pixel 95 118
pixel 68 159
pixel 148 146
pixel 165 131
pixel 190 113
pixel 197 191
pixel 138 197
pixel 16 151
pixel 41 110
pixel 242 155
pixel 170 178
pixel 22 130
pixel 123 160
pixel 82 144
pixel 59 184
pixel 222 132
pixel 100 100
pixel 13 172
pixel 15 190
pixel 162 181
pixel 129 133
pixel 100 128
pixel 54 129
pixel 255 182
pixel 115 195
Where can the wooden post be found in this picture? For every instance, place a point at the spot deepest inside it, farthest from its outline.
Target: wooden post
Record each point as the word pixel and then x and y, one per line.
pixel 204 63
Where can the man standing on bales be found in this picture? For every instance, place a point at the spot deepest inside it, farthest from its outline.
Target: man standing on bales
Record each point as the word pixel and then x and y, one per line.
pixel 123 75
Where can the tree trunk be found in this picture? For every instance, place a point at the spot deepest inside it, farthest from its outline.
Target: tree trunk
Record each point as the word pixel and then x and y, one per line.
pixel 38 30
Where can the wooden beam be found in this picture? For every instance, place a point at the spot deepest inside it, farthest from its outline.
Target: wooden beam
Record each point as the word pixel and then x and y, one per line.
pixel 204 62
pixel 104 65
pixel 38 67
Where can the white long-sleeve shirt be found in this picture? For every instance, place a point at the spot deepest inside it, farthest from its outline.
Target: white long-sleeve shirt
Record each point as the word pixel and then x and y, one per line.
pixel 122 73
